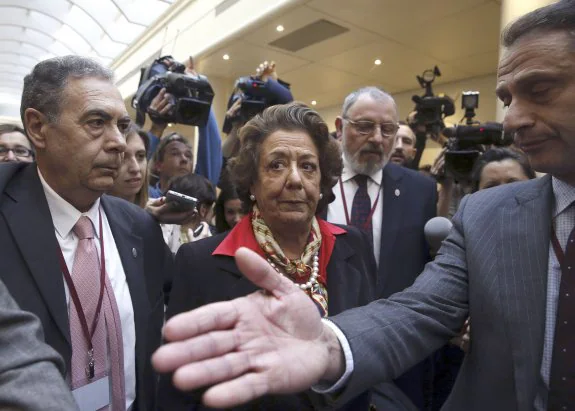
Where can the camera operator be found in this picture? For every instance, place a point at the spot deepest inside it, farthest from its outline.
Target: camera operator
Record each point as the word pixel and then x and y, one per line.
pixel 265 72
pixel 209 157
pixel 278 92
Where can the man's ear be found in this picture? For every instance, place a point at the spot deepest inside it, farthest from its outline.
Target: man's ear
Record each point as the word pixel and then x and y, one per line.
pixel 339 127
pixel 35 124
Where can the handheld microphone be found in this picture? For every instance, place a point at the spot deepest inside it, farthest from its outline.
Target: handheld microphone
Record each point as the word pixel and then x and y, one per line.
pixel 436 230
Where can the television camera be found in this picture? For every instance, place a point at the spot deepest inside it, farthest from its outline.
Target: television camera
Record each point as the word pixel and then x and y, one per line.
pixel 466 142
pixel 191 96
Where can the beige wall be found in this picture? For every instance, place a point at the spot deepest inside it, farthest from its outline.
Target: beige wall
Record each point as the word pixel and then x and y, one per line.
pixel 486 112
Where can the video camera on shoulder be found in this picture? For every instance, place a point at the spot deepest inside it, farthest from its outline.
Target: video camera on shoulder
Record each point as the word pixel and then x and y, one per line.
pixel 256 95
pixel 466 142
pixel 192 95
pixel 431 109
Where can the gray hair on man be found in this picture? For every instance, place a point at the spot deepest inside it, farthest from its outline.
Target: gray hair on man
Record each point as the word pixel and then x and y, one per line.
pixel 43 87
pixel 374 92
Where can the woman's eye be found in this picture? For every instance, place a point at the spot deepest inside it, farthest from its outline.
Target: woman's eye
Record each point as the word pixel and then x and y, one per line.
pixel 309 167
pixel 276 165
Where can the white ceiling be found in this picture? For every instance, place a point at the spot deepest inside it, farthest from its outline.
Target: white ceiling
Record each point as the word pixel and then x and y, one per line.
pixel 409 36
pixel 33 30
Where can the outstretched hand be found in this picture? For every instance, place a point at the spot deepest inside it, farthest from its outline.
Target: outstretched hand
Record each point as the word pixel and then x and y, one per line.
pixel 271 341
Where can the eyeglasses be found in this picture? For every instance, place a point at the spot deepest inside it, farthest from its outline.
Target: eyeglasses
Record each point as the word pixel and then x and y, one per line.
pixel 18 151
pixel 367 127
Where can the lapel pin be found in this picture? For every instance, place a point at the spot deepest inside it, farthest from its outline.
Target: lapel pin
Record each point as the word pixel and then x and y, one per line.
pixel 397 193
pixel 134 252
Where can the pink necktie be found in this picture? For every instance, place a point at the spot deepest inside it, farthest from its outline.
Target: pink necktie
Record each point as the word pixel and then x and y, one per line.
pixel 86 278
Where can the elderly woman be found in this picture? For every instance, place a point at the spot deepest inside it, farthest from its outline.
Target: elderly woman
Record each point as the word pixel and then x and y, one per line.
pixel 283 173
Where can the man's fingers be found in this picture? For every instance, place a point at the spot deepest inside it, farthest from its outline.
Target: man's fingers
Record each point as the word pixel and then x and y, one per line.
pixel 173 355
pixel 238 391
pixel 211 371
pixel 211 317
pixel 262 274
pixel 158 97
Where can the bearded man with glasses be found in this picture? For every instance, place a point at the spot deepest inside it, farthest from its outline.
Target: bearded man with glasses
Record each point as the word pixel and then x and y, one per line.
pixel 390 202
pixel 14 145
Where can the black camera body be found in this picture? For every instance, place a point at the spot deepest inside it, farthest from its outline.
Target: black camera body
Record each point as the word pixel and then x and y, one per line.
pixel 192 96
pixel 431 109
pixel 255 96
pixel 466 142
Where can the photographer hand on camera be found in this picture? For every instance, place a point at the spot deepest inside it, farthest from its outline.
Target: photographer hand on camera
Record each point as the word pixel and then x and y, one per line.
pixel 252 95
pixel 172 92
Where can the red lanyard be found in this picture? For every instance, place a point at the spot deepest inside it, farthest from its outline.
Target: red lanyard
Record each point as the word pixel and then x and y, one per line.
pixel 74 295
pixel 557 248
pixel 369 217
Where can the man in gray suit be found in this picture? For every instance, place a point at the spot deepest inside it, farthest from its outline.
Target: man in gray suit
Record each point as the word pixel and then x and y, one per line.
pixel 507 263
pixel 30 371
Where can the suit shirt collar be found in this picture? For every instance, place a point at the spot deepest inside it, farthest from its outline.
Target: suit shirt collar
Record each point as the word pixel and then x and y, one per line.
pixel 348 174
pixel 64 214
pixel 564 195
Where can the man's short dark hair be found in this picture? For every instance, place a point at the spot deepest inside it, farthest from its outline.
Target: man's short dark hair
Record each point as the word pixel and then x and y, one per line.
pixel 170 138
pixel 44 86
pixel 195 185
pixel 11 128
pixel 556 16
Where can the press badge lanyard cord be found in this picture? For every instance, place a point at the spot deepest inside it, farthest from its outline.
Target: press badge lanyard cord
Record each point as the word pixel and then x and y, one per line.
pixel 370 216
pixel 76 300
pixel 557 248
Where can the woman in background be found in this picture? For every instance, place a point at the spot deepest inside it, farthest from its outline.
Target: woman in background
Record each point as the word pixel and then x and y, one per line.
pixel 500 166
pixel 228 209
pixel 132 181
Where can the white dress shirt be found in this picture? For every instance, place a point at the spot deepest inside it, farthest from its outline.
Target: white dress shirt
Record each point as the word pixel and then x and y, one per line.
pixel 64 217
pixel 336 210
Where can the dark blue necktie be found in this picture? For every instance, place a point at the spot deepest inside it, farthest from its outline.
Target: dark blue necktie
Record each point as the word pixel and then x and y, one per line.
pixel 361 206
pixel 562 377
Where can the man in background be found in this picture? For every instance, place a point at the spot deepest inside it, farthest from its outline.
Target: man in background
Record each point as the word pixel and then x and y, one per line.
pixel 14 145
pixel 391 203
pixel 404 150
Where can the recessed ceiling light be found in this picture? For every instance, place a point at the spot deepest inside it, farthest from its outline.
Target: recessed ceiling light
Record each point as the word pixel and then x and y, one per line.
pixel 313 102
pixel 226 57
pixel 280 28
pixel 377 62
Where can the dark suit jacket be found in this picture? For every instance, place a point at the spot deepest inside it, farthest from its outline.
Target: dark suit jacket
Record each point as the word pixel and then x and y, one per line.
pixel 404 250
pixel 202 278
pixel 31 271
pixel 493 268
pixel 403 255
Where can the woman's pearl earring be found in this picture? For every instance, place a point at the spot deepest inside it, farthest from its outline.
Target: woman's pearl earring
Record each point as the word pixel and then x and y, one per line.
pixel 320 196
pixel 252 197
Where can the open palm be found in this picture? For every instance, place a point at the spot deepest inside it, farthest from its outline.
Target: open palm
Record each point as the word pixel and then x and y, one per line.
pixel 271 341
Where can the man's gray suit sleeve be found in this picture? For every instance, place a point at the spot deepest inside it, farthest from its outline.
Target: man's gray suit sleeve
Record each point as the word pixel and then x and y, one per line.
pixel 30 371
pixel 389 336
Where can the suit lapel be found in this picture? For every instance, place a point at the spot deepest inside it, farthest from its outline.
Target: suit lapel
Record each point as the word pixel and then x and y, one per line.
pixel 30 222
pixel 393 213
pixel 340 272
pixel 525 224
pixel 131 250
